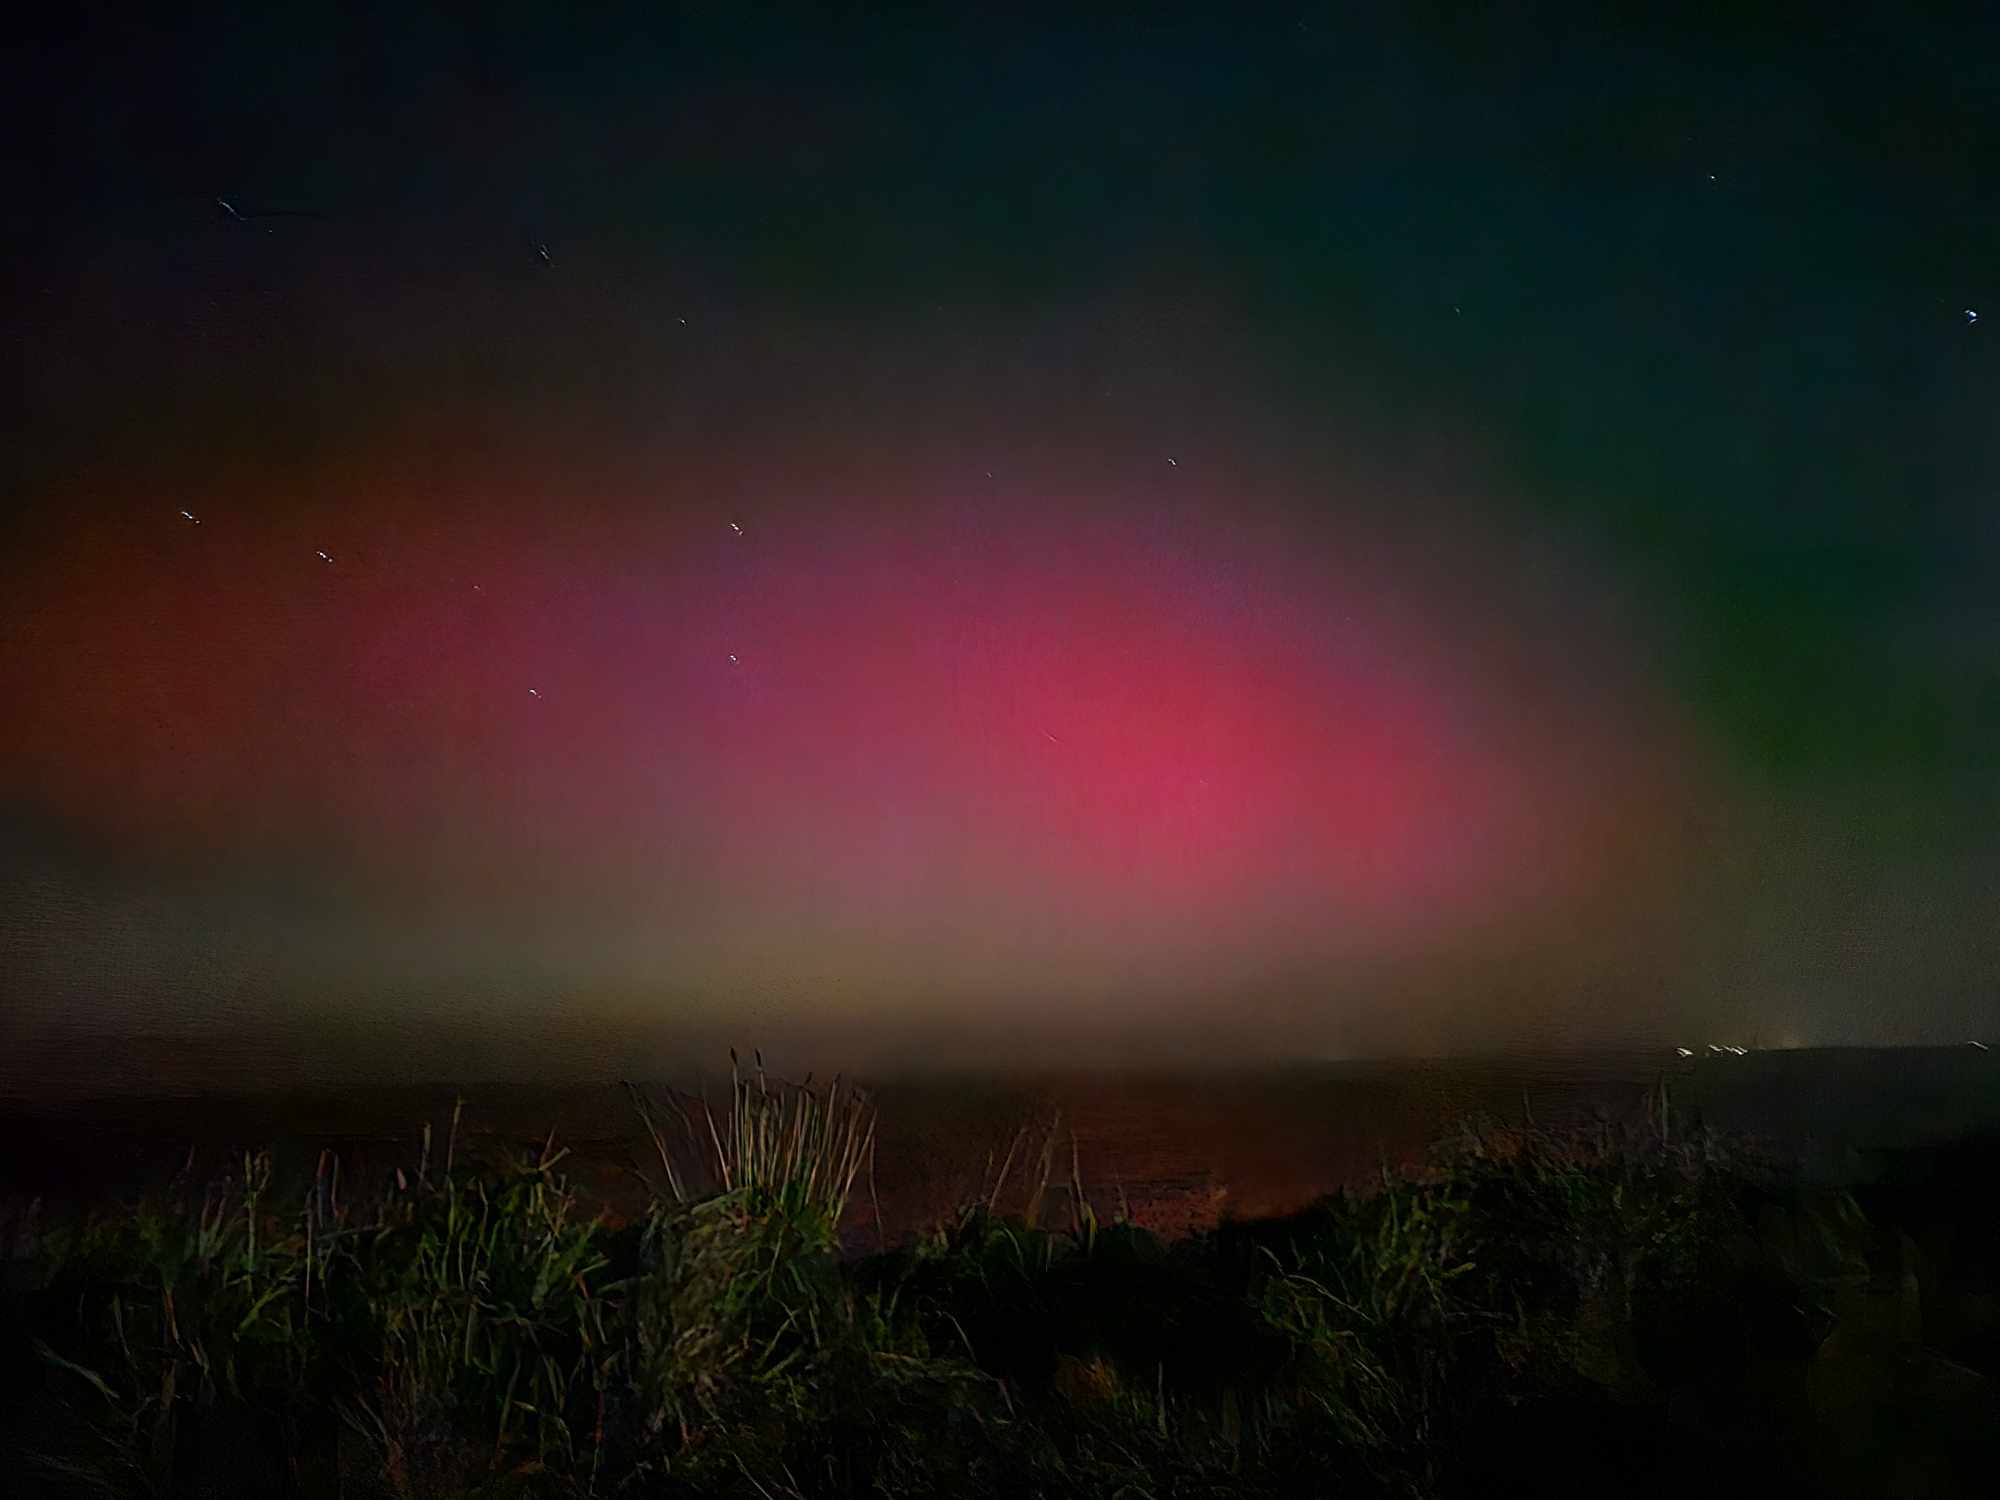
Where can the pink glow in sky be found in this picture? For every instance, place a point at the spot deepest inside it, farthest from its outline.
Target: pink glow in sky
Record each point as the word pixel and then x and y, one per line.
pixel 913 732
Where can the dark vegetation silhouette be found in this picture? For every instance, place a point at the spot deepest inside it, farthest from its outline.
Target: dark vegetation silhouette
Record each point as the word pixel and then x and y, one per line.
pixel 1640 1306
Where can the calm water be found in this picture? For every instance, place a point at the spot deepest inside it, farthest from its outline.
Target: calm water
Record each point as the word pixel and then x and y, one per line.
pixel 1181 1150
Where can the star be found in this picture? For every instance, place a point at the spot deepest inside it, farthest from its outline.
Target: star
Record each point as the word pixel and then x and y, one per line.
pixel 1173 463
pixel 534 692
pixel 265 213
pixel 190 517
pixel 1971 316
pixel 322 557
pixel 732 656
pixel 735 528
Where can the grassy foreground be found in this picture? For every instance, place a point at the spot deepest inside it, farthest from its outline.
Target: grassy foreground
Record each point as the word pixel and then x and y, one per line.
pixel 1632 1308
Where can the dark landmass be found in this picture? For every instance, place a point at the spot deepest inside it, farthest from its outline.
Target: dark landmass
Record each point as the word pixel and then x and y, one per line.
pixel 1590 1291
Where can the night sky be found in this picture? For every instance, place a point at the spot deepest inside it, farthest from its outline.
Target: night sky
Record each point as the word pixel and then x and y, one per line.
pixel 1292 532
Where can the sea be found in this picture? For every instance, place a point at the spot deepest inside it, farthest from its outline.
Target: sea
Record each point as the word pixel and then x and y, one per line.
pixel 1177 1150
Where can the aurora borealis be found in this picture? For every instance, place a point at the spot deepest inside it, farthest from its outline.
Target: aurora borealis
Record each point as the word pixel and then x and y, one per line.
pixel 1345 535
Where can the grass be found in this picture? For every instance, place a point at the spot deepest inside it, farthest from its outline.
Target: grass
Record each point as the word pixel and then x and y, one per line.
pixel 1536 1305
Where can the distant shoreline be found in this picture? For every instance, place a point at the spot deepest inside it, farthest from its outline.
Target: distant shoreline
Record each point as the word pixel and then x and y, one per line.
pixel 63 1075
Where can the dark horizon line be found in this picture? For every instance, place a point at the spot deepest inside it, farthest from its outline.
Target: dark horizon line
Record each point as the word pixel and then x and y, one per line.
pixel 472 1089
